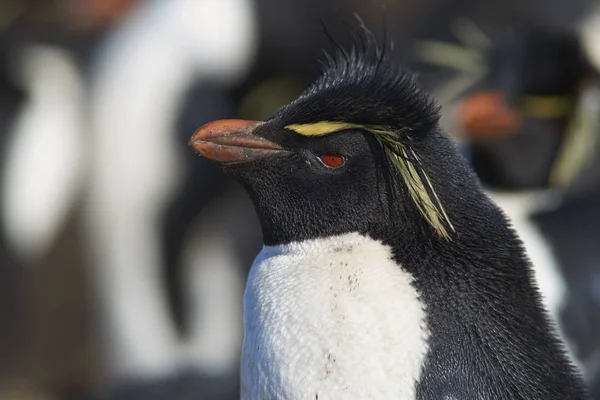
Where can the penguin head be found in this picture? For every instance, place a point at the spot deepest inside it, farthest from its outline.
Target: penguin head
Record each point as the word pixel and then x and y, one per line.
pixel 360 150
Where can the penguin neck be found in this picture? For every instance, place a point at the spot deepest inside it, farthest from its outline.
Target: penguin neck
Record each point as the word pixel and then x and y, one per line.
pixel 331 317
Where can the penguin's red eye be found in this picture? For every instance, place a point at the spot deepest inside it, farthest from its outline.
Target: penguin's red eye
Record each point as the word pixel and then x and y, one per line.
pixel 332 160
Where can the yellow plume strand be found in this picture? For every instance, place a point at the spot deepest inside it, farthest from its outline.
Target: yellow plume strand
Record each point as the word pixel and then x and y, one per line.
pixel 412 173
pixel 406 161
pixel 321 128
pixel 439 206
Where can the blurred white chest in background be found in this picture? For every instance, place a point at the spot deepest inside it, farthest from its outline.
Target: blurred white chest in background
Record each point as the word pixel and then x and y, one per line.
pixel 43 169
pixel 331 318
pixel 519 208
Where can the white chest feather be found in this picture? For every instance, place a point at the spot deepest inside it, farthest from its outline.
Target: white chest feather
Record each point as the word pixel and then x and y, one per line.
pixel 333 318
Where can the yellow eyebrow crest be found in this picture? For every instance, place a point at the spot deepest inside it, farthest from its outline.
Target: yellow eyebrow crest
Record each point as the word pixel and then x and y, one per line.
pixel 321 128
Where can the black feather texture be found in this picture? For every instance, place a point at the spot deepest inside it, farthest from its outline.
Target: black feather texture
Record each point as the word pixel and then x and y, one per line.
pixel 364 86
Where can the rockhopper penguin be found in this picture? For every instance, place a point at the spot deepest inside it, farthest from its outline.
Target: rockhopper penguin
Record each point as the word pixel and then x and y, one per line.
pixel 386 273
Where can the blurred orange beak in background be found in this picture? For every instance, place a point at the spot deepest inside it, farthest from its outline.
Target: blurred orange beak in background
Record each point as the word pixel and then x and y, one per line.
pixel 486 115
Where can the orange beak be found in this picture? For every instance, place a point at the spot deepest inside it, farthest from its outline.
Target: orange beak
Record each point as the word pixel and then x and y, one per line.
pixel 485 115
pixel 232 141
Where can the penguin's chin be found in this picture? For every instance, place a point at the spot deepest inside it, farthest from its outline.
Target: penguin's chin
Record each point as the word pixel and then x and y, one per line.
pixel 232 142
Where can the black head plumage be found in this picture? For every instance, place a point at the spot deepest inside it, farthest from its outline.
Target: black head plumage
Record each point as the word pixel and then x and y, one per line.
pixel 364 86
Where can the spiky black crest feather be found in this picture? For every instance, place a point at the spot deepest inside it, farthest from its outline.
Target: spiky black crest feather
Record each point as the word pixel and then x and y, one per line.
pixel 363 86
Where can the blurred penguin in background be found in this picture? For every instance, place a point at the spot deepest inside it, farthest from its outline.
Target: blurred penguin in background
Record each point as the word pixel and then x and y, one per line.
pixel 42 166
pixel 141 205
pixel 41 173
pixel 528 122
pixel 12 98
pixel 49 151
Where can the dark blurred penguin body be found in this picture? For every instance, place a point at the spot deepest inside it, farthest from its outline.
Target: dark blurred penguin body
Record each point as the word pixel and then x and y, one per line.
pixel 387 273
pixel 572 231
pixel 180 386
pixel 537 76
pixel 149 259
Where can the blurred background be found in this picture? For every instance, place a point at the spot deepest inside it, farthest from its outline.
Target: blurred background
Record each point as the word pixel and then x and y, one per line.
pixel 123 256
